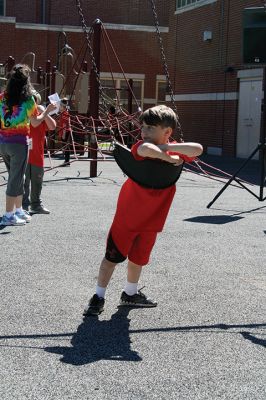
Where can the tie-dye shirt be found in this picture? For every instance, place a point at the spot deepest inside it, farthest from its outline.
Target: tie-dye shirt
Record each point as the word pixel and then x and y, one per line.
pixel 15 121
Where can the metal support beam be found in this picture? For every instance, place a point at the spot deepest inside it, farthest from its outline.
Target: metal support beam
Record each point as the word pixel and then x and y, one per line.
pixel 95 94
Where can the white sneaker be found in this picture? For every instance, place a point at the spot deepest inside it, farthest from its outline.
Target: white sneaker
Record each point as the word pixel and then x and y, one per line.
pixel 13 220
pixel 24 215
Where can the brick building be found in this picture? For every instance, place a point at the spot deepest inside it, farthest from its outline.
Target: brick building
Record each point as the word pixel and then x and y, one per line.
pixel 218 97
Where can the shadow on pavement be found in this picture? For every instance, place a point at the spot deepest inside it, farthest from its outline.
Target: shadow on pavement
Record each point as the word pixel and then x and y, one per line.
pixel 99 340
pixel 109 340
pixel 254 339
pixel 214 219
pixel 222 219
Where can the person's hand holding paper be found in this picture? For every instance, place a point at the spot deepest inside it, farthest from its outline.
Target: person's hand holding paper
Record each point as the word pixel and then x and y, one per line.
pixel 54 99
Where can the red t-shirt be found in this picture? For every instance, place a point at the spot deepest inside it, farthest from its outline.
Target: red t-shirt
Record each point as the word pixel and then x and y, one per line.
pixel 64 124
pixel 141 209
pixel 36 154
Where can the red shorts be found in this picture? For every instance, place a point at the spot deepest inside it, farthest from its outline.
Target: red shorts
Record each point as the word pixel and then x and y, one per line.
pixel 136 246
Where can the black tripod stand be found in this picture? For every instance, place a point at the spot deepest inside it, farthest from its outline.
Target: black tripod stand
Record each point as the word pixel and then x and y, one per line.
pixel 261 148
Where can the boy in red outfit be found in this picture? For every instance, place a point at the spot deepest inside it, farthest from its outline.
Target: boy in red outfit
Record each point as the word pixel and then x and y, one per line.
pixel 35 168
pixel 64 127
pixel 141 212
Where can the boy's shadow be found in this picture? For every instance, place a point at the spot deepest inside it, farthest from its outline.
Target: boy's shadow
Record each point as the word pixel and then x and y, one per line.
pixel 100 340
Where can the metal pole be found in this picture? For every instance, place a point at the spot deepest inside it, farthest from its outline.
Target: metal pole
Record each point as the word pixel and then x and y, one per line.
pixel 261 148
pixel 39 75
pixel 48 79
pixel 233 178
pixel 54 69
pixel 95 94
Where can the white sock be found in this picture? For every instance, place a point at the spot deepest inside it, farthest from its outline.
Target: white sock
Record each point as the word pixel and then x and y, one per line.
pixel 19 210
pixel 9 214
pixel 100 291
pixel 131 288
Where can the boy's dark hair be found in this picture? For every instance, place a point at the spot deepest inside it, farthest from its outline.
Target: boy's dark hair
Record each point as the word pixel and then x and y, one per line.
pixel 160 115
pixel 64 101
pixel 19 87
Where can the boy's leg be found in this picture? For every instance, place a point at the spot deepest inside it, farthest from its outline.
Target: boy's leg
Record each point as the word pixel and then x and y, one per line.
pixel 113 256
pixel 105 272
pixel 67 149
pixel 138 257
pixel 133 275
pixel 36 186
pixel 96 303
pixel 133 272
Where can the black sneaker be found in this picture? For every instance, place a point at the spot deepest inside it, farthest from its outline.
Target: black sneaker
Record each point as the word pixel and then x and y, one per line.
pixel 95 306
pixel 39 210
pixel 137 300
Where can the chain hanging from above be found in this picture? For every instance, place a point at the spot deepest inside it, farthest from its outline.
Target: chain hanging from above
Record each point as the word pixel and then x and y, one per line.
pixel 165 67
pixel 94 66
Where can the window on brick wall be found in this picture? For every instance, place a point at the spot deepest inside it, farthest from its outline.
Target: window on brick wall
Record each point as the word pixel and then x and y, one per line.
pixel 161 87
pixel 137 90
pixel 189 4
pixel 118 91
pixel 2 7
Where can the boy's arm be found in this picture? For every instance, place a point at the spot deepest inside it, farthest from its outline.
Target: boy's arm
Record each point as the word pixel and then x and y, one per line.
pixel 50 122
pixel 189 149
pixel 36 120
pixel 151 150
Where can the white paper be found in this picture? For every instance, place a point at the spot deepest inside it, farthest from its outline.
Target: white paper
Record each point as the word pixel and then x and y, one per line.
pixel 54 98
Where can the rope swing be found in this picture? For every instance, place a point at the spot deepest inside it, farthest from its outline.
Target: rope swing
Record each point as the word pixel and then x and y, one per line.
pixel 153 174
pixel 148 173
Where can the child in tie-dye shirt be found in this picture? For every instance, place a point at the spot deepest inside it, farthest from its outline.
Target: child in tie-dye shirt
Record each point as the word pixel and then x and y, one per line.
pixel 17 110
pixel 15 120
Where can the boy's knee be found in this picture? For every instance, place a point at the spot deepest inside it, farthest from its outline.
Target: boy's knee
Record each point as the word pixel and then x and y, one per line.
pixel 108 263
pixel 114 257
pixel 113 254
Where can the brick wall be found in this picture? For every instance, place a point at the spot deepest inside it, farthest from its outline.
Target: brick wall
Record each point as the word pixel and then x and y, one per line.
pixel 138 52
pixel 64 12
pixel 196 66
pixel 199 66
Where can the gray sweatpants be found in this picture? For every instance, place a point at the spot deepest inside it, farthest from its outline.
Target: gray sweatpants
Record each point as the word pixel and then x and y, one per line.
pixel 33 186
pixel 15 156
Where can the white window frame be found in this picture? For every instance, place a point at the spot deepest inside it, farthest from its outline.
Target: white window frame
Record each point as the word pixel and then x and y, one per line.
pixel 118 78
pixel 159 79
pixel 188 5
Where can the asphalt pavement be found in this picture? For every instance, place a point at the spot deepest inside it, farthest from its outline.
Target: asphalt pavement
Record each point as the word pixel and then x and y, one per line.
pixel 206 339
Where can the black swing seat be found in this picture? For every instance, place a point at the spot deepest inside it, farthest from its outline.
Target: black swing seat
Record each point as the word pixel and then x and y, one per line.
pixel 153 174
